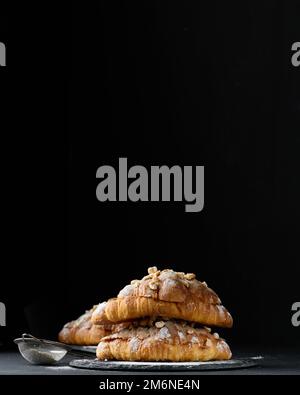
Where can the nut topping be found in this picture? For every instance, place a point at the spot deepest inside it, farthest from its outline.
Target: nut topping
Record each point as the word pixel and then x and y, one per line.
pixel 135 283
pixel 152 270
pixel 190 276
pixel 153 286
pixel 216 335
pixel 186 283
pixel 208 343
pixel 159 324
pixel 156 274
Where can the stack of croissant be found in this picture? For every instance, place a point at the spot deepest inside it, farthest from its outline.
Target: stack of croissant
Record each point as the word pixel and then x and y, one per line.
pixel 165 316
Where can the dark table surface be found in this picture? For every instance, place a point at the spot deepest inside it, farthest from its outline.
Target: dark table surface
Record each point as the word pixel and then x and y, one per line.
pixel 274 363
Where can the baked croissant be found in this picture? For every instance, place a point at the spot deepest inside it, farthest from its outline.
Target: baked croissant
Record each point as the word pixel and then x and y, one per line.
pixel 164 341
pixel 84 333
pixel 165 293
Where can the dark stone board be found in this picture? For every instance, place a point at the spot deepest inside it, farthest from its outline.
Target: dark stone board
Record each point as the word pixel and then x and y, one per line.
pixel 94 364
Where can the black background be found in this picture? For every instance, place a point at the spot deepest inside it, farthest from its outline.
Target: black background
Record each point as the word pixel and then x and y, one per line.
pixel 161 83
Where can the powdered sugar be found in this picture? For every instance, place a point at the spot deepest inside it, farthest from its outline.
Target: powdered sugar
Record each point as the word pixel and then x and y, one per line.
pixel 181 336
pixel 220 346
pixel 126 291
pixel 134 344
pixel 164 333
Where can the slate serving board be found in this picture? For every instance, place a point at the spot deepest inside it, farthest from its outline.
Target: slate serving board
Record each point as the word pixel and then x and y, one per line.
pixel 166 366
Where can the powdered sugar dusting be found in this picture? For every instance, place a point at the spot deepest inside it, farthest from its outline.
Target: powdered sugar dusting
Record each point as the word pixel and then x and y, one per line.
pixel 220 346
pixel 63 367
pixel 101 347
pixel 170 282
pixel 181 336
pixel 126 291
pixel 164 333
pixel 134 344
pixel 100 308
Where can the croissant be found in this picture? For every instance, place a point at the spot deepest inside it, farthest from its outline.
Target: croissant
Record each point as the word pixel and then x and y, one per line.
pixel 164 341
pixel 165 293
pixel 84 333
